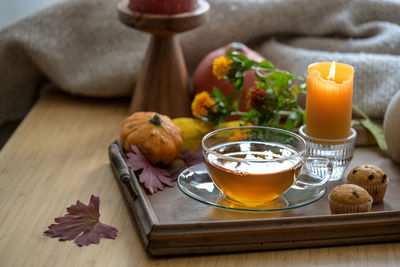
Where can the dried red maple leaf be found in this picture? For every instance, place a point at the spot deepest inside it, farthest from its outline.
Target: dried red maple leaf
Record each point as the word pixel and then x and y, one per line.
pixel 192 158
pixel 189 159
pixel 82 224
pixel 152 177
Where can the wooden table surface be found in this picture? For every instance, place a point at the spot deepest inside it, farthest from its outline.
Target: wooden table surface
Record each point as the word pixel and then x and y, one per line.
pixel 58 155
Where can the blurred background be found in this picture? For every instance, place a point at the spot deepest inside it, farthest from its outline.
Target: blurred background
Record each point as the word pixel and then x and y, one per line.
pixel 14 10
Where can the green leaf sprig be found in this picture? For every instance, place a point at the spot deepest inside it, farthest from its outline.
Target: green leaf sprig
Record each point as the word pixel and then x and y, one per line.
pixel 373 128
pixel 272 100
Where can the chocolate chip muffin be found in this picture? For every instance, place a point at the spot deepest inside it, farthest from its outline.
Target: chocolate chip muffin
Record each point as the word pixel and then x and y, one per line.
pixel 371 178
pixel 349 198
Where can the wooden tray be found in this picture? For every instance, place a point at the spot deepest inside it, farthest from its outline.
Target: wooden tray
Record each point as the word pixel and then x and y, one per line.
pixel 171 223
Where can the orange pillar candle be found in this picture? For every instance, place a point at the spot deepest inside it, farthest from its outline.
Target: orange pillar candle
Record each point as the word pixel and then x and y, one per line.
pixel 329 100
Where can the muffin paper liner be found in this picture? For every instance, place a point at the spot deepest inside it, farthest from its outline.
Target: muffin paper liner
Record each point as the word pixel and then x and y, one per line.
pixel 338 208
pixel 376 191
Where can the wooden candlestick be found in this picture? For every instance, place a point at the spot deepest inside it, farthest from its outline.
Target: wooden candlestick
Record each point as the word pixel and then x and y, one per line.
pixel 163 83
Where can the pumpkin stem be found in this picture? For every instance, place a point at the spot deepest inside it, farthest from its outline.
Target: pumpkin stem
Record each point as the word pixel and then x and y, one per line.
pixel 156 120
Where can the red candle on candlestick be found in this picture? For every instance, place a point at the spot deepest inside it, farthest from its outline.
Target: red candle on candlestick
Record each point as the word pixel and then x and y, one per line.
pixel 162 7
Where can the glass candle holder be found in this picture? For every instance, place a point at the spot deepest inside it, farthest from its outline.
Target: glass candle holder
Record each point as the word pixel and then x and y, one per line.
pixel 338 151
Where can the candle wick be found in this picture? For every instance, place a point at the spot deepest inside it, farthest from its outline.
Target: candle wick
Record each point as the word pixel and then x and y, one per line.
pixel 331 75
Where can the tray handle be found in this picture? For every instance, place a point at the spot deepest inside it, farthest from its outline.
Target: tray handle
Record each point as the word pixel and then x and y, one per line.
pixel 121 169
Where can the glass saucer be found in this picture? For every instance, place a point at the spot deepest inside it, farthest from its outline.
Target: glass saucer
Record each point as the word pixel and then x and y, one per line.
pixel 197 184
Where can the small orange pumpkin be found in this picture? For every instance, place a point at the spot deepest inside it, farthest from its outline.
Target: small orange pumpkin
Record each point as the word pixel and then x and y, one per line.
pixel 155 135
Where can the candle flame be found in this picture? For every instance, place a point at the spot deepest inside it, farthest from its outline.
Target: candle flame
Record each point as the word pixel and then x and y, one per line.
pixel 331 75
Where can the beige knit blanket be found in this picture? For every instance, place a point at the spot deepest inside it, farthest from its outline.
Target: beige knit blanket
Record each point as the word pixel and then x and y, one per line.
pixel 80 46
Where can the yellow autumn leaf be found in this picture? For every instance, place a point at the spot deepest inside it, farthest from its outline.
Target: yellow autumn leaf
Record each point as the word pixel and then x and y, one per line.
pixel 229 124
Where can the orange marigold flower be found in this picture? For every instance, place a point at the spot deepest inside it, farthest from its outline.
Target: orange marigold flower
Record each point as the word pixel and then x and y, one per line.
pixel 202 102
pixel 221 66
pixel 257 97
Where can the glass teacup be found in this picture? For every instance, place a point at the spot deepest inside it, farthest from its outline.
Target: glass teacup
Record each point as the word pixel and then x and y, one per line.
pixel 254 165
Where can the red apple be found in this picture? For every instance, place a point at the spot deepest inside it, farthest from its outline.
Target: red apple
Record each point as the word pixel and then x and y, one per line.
pixel 204 79
pixel 162 7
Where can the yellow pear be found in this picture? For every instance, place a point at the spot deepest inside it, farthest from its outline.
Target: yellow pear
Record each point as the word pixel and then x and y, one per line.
pixel 193 131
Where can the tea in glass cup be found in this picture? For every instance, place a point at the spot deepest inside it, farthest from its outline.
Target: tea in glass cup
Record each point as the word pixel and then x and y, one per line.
pixel 254 165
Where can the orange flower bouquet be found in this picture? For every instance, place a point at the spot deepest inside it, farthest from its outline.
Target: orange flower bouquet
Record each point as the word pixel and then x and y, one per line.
pixel 272 101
